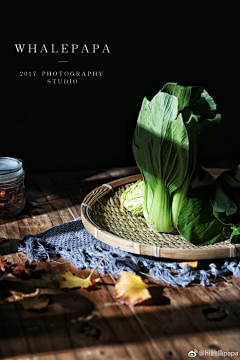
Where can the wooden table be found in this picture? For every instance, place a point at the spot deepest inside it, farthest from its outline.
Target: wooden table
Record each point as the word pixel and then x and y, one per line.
pixel 90 324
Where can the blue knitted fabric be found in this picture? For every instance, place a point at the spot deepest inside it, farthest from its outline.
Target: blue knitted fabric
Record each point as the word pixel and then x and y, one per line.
pixel 74 243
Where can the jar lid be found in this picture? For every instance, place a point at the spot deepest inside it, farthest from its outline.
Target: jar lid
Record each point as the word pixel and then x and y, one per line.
pixel 9 165
pixel 10 168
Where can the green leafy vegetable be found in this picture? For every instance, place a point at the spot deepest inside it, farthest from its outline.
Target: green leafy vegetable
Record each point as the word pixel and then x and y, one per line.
pixel 166 148
pixel 132 198
pixel 196 221
pixel 209 211
pixel 222 201
pixel 173 130
pixel 161 150
pixel 226 204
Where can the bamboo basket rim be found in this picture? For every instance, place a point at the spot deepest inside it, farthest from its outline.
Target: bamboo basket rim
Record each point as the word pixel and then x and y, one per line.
pixel 220 250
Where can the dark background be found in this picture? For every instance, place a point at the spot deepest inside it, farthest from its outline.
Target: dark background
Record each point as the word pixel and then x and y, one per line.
pixel 90 125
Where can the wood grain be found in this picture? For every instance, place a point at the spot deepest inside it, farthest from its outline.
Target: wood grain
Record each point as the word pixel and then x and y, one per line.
pixel 83 324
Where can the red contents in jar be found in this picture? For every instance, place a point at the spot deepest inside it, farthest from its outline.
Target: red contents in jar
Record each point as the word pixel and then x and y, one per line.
pixel 10 200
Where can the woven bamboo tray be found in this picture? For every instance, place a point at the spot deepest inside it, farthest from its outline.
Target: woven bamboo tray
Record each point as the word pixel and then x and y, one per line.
pixel 103 217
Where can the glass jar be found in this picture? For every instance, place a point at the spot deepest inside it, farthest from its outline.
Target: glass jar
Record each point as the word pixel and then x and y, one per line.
pixel 12 189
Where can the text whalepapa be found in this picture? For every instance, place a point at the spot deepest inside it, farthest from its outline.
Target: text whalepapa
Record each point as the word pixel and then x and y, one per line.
pixel 62 48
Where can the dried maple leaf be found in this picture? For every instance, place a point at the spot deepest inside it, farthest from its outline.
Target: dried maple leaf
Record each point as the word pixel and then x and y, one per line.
pixel 70 281
pixel 29 301
pixel 130 289
pixel 3 264
pixel 193 264
pixel 25 269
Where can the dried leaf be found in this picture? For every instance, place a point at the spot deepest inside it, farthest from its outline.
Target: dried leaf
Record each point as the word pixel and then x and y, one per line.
pixel 193 264
pixel 17 295
pixel 25 269
pixel 130 289
pixel 36 303
pixel 4 264
pixel 29 301
pixel 70 281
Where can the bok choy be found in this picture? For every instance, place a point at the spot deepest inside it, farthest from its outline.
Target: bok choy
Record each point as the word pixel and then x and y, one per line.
pixel 172 131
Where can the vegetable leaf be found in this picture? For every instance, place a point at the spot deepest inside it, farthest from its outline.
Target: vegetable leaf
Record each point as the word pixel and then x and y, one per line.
pixel 132 198
pixel 196 221
pixel 160 148
pixel 222 202
pixel 173 130
pixel 232 177
pixel 235 234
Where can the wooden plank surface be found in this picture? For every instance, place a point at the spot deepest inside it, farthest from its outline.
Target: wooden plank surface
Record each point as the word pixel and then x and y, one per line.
pixel 84 324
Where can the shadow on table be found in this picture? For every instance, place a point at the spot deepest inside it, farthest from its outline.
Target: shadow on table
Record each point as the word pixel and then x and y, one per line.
pixel 70 322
